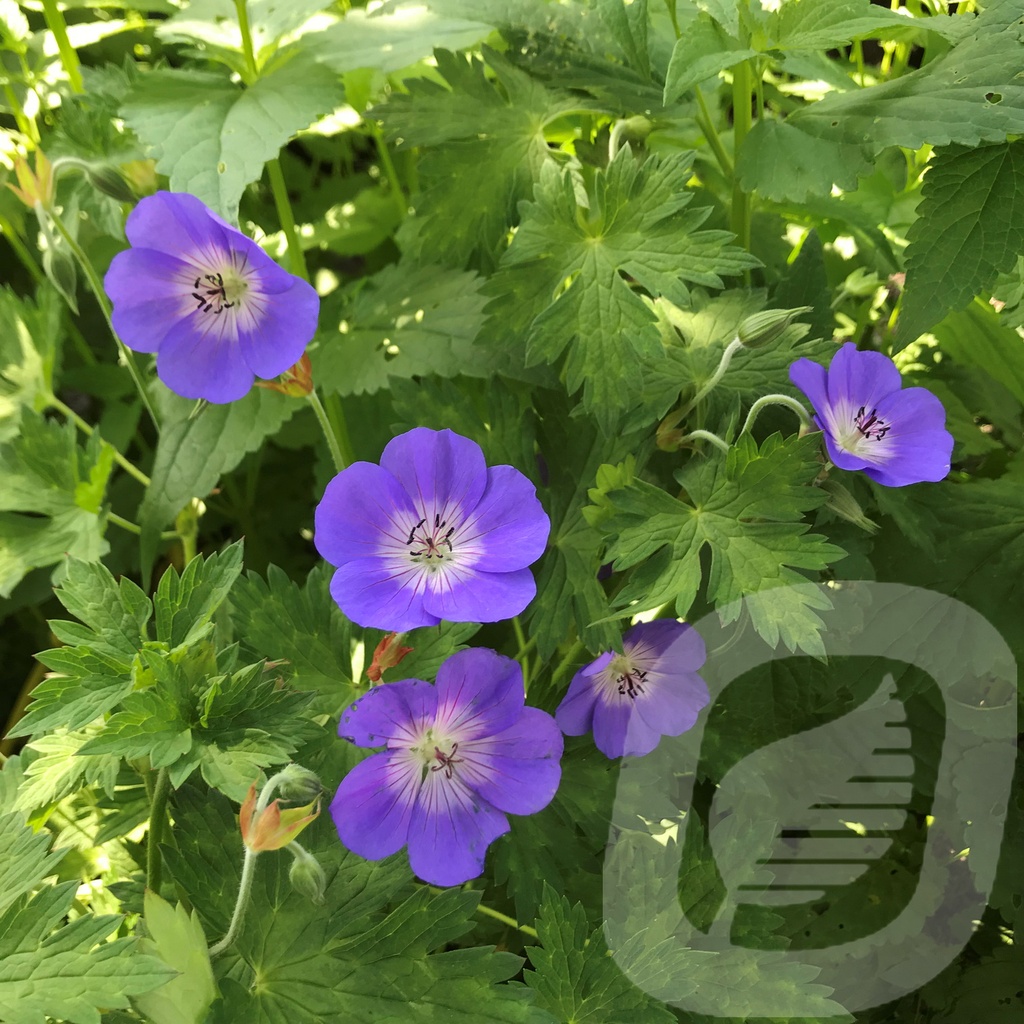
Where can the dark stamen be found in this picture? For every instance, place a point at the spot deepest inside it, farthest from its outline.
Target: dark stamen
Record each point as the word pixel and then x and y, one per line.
pixel 868 423
pixel 631 683
pixel 446 761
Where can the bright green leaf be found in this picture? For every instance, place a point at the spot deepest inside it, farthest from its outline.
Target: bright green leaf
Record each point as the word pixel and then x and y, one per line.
pixel 69 973
pixel 25 859
pixel 50 498
pixel 212 138
pixel 575 978
pixel 970 227
pixel 703 49
pixel 176 937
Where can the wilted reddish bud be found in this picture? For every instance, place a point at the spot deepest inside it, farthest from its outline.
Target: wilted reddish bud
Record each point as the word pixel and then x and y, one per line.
pixel 389 652
pixel 296 382
pixel 272 828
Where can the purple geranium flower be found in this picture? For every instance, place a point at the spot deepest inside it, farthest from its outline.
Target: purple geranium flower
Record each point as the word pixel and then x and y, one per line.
pixel 215 309
pixel 631 700
pixel 457 758
pixel 430 534
pixel 871 422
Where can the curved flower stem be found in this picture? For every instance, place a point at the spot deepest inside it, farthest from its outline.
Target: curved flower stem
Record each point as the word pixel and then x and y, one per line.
pixel 130 468
pixel 244 891
pixel 55 23
pixel 712 382
pixel 790 403
pixel 127 524
pixel 101 297
pixel 328 431
pixel 705 435
pixel 157 820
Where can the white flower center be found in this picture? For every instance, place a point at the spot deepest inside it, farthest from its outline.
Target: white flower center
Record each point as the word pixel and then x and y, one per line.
pixel 429 545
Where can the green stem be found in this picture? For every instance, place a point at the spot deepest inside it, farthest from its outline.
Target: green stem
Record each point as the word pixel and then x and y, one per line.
pixel 296 257
pixel 247 47
pixel 97 289
pixel 707 126
pixel 55 23
pixel 482 908
pixel 87 429
pixel 704 435
pixel 765 400
pixel 157 820
pixel 671 5
pixel 127 524
pixel 335 413
pixel 741 119
pixel 328 431
pixel 712 382
pixel 244 889
pixel 570 659
pixel 389 170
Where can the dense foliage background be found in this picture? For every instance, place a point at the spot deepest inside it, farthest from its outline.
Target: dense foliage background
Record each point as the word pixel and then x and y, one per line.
pixel 538 224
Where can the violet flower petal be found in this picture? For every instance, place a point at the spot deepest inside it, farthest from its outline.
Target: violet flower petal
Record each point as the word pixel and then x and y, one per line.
pixel 479 693
pixel 392 714
pixel 518 769
pixel 176 223
pixel 374 804
pixel 202 365
pixel 272 334
pixel 382 593
pixel 361 508
pixel 442 471
pixel 509 528
pixel 450 831
pixel 465 595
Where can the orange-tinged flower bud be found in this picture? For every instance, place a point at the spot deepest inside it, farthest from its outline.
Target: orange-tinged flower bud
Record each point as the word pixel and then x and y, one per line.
pixel 272 828
pixel 297 382
pixel 36 187
pixel 388 653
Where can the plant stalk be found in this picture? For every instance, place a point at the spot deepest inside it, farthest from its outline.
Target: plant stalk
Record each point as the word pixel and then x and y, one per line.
pixel 56 24
pixel 157 820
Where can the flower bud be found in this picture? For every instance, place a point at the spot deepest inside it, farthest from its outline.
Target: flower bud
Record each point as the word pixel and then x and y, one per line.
pixel 846 506
pixel 296 382
pixel 387 654
pixel 36 188
pixel 767 326
pixel 306 875
pixel 297 783
pixel 59 267
pixel 272 828
pixel 110 182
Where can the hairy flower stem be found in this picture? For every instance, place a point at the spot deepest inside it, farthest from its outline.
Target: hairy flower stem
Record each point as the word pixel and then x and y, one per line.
pixel 248 868
pixel 712 382
pixel 244 891
pixel 101 297
pixel 157 820
pixel 790 403
pixel 55 23
pixel 704 435
pixel 130 468
pixel 328 432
